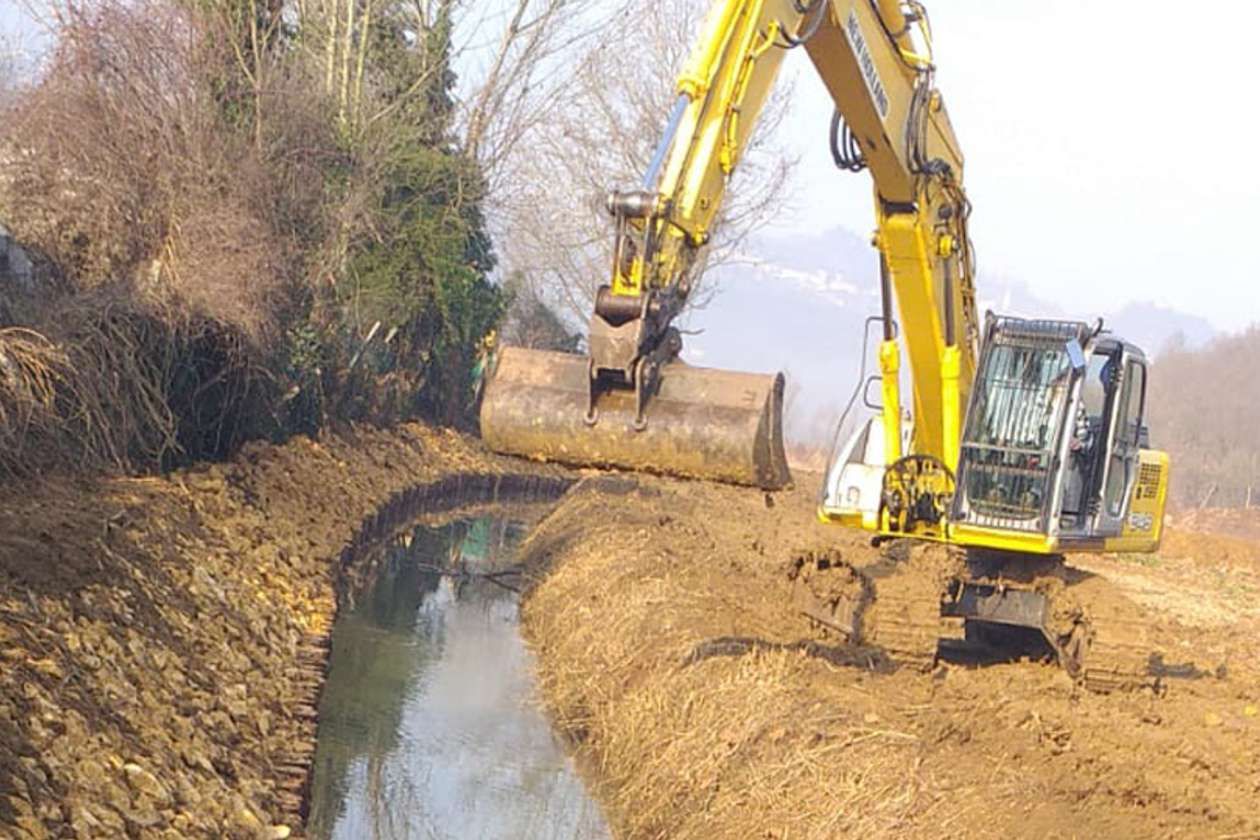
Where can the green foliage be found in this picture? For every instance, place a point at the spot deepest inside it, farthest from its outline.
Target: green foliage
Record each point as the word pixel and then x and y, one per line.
pixel 424 240
pixel 421 272
pixel 424 280
pixel 412 69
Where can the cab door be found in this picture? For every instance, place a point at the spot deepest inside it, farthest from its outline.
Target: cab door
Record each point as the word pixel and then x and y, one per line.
pixel 1124 447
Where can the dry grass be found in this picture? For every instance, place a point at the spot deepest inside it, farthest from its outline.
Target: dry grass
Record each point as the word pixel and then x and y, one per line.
pixel 668 653
pixel 32 370
pixel 765 744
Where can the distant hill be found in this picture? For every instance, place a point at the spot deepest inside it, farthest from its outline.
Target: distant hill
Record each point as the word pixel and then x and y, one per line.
pixel 798 303
pixel 1155 328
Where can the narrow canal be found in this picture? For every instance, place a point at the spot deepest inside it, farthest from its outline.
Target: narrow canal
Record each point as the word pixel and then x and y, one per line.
pixel 430 725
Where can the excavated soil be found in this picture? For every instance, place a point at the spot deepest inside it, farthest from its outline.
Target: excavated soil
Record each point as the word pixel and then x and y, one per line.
pixel 163 640
pixel 702 707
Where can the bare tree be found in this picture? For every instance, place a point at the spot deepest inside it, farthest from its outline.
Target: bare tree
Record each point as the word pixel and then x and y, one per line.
pixel 549 217
pixel 518 56
pixel 11 73
pixel 1201 408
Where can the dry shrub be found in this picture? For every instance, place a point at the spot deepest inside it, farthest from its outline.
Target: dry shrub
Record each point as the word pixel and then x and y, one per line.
pixel 120 388
pixel 32 372
pixel 123 170
pixel 144 387
pixel 180 232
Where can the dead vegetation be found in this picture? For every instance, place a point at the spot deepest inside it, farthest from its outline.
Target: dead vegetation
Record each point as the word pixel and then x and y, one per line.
pixel 161 277
pixel 124 173
pixel 1203 406
pixel 32 370
pixel 231 244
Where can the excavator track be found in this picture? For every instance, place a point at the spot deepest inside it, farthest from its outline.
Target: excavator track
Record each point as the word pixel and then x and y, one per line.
pixel 893 605
pixel 918 593
pixel 1108 648
pixel 1098 635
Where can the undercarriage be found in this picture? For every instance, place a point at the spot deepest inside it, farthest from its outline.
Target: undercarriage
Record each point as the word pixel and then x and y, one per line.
pixel 922 601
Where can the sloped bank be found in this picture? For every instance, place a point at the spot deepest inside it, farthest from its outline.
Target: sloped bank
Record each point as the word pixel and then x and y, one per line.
pixel 163 639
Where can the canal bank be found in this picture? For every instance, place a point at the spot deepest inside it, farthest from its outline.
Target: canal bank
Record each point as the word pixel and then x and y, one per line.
pixel 164 639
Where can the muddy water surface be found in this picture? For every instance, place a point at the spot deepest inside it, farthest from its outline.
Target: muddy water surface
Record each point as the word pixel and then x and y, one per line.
pixel 429 724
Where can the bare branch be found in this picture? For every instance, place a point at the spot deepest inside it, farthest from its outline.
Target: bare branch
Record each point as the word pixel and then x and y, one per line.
pixel 553 168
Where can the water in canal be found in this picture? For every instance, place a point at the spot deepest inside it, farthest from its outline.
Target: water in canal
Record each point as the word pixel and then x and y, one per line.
pixel 429 723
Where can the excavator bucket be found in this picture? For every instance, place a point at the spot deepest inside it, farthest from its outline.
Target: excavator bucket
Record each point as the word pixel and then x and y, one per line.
pixel 701 423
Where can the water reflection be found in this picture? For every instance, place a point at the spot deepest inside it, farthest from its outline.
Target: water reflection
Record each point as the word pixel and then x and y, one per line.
pixel 428 724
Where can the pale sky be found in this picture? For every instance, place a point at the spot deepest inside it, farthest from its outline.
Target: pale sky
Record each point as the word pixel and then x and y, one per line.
pixel 1108 149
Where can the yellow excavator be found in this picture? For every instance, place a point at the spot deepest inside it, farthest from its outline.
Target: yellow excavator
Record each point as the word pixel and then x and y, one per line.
pixel 1023 439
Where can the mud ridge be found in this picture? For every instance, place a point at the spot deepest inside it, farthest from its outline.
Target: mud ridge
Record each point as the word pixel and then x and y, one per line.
pixel 701 705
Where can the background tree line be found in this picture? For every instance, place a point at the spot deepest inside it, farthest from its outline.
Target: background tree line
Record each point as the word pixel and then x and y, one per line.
pixel 1204 409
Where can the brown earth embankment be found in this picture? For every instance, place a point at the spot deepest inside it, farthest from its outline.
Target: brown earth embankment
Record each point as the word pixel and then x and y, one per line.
pixel 702 707
pixel 162 640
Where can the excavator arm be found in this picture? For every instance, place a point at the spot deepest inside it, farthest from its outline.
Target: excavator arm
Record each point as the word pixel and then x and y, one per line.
pixel 876 60
pixel 631 402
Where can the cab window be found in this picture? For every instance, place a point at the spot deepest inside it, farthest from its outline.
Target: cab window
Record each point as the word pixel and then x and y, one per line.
pixel 1136 406
pixel 1123 469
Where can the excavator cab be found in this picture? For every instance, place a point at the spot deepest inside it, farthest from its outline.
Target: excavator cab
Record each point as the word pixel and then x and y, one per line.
pixel 1055 451
pixel 1053 456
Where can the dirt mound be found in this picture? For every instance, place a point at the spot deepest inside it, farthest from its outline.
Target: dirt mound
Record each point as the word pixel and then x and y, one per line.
pixel 161 637
pixel 703 707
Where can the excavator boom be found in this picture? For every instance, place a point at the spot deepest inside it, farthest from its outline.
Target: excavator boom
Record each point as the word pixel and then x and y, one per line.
pixel 1009 452
pixel 631 402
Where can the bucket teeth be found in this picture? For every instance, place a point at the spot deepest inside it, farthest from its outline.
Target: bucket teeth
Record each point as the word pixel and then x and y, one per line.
pixel 701 422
